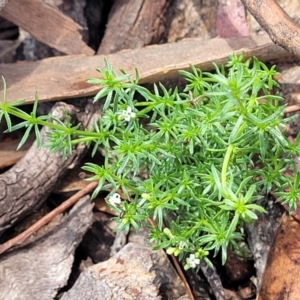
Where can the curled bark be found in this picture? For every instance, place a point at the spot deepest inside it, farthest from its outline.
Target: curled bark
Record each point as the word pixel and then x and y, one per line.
pixel 27 184
pixel 157 62
pixel 277 23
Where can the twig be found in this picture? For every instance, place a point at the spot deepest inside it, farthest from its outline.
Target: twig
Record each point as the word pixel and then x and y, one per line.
pixel 182 276
pixel 21 238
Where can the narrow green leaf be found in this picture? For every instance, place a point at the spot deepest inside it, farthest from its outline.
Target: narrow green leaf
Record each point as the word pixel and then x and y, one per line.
pixel 25 137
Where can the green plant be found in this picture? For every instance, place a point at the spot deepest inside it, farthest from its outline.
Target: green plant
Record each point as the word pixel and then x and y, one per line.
pixel 191 164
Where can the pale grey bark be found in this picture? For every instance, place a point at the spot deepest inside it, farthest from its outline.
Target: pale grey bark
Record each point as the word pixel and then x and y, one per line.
pixel 37 270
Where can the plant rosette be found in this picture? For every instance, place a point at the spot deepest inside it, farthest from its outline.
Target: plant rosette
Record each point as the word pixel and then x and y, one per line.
pixel 191 164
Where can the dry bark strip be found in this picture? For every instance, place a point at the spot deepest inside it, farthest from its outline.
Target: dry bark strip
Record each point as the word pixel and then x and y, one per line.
pixel 65 77
pixel 277 23
pixel 39 269
pixel 143 23
pixel 135 272
pixel 47 24
pixel 281 278
pixel 260 234
pixel 27 184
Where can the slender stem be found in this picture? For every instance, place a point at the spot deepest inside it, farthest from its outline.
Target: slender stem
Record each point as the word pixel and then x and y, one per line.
pixel 225 165
pixel 148 108
pixel 241 105
pixel 53 125
pixel 142 103
pixel 25 117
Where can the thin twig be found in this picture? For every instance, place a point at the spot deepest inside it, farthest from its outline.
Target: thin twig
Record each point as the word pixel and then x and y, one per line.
pixel 21 238
pixel 182 276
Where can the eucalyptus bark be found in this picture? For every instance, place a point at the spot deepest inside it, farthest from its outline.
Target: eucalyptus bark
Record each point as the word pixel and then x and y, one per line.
pixel 47 24
pixel 142 23
pixel 39 269
pixel 277 23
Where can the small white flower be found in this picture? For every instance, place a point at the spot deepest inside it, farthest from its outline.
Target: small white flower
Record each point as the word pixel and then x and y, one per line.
pixel 115 199
pixel 193 261
pixel 128 114
pixel 181 245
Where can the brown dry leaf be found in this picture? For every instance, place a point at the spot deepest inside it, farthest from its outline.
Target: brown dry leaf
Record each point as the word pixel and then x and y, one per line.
pixel 100 205
pixel 281 279
pixel 8 153
pixel 75 181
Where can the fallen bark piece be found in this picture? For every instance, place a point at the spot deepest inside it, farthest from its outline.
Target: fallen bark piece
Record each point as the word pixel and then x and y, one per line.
pixel 281 279
pixel 190 19
pixel 47 24
pixel 290 84
pixel 21 238
pixel 2 4
pixel 8 154
pixel 136 272
pixel 7 50
pixel 27 184
pixel 65 77
pixel 143 23
pixel 214 280
pixel 39 269
pixel 260 234
pixel 277 23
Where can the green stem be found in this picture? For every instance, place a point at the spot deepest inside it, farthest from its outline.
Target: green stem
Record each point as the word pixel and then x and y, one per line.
pixel 241 105
pixel 24 117
pixel 83 140
pixel 142 103
pixel 148 108
pixel 225 165
pixel 40 122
